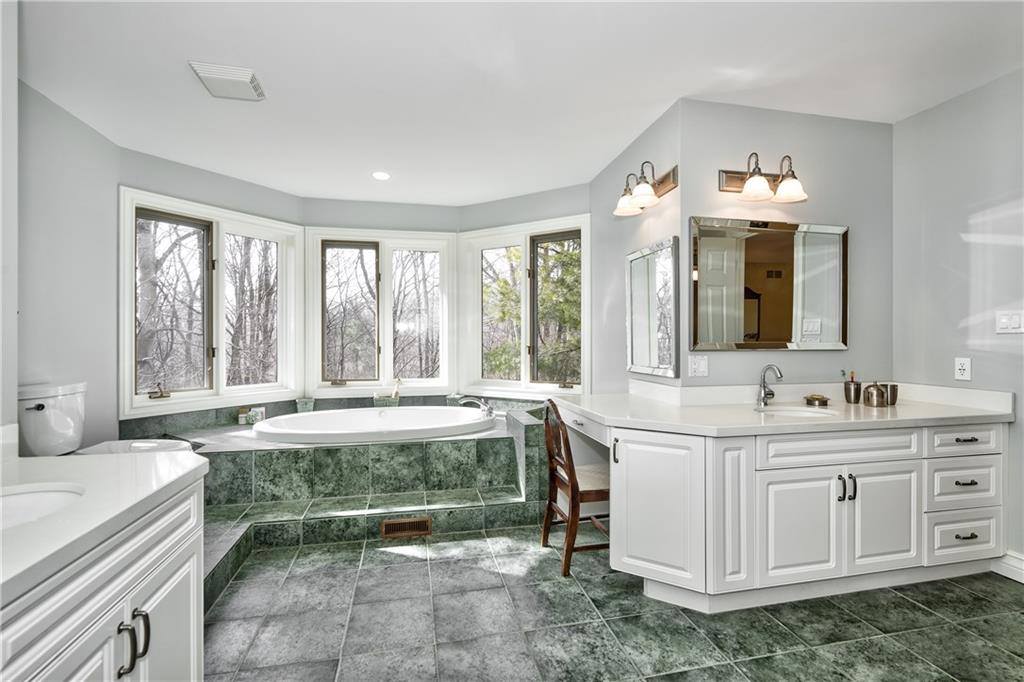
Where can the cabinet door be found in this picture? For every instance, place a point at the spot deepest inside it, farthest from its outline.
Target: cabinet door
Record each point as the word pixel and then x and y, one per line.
pixel 883 517
pixel 172 598
pixel 800 525
pixel 96 655
pixel 732 537
pixel 657 506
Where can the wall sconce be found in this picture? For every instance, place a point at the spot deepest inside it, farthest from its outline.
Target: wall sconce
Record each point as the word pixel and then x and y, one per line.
pixel 645 192
pixel 753 185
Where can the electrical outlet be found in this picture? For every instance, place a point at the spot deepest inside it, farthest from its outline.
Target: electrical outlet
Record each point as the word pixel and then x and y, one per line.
pixel 962 369
pixel 698 366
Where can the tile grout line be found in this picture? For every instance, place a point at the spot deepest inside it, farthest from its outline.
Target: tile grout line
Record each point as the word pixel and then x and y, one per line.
pixel 433 611
pixel 348 617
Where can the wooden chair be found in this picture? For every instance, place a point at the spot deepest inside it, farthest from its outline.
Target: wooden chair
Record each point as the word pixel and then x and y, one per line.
pixel 578 485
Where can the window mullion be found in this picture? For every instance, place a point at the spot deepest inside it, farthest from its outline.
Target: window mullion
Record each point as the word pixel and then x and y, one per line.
pixel 219 320
pixel 385 293
pixel 526 302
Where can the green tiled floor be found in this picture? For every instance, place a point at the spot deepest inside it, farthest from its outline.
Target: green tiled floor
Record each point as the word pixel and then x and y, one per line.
pixel 491 605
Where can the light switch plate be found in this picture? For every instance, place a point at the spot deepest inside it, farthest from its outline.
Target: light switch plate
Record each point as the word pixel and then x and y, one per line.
pixel 1010 322
pixel 698 366
pixel 962 369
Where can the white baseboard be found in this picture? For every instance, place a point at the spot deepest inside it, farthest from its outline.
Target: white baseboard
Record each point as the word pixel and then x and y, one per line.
pixel 1010 565
pixel 8 441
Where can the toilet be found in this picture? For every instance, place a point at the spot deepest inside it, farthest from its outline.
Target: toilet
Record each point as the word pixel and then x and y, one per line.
pixel 50 418
pixel 50 421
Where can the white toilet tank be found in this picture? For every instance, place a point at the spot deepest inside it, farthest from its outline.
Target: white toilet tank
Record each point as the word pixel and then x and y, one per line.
pixel 50 418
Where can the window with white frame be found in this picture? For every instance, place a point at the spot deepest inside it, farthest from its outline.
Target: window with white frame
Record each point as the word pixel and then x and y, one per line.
pixel 382 305
pixel 211 306
pixel 524 291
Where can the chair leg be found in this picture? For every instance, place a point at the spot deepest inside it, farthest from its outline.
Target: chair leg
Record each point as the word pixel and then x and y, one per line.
pixel 571 526
pixel 546 528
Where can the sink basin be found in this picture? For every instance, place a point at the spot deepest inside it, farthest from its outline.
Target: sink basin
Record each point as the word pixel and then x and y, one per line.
pixel 24 503
pixel 796 411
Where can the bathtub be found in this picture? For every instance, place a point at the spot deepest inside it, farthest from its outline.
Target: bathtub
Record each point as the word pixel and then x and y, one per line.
pixel 373 424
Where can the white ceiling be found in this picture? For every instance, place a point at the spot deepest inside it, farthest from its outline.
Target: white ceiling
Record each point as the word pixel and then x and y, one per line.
pixel 464 103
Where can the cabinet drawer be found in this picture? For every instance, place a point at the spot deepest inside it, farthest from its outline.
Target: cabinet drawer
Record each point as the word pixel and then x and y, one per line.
pixel 963 482
pixel 945 441
pixel 45 620
pixel 585 425
pixel 842 447
pixel 963 535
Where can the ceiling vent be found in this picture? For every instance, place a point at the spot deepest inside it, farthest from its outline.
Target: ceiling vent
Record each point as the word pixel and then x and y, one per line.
pixel 229 82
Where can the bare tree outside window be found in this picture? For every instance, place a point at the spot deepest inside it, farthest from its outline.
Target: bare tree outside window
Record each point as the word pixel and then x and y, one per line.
pixel 500 312
pixel 556 295
pixel 349 311
pixel 250 309
pixel 171 303
pixel 416 304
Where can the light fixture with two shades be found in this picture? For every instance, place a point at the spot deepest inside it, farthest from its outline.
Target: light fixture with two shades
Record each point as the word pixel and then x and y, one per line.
pixel 645 192
pixel 781 188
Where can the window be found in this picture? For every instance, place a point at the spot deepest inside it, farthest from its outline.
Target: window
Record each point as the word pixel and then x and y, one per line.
pixel 526 290
pixel 416 313
pixel 500 312
pixel 350 311
pixel 555 305
pixel 250 310
pixel 210 311
pixel 172 304
pixel 380 298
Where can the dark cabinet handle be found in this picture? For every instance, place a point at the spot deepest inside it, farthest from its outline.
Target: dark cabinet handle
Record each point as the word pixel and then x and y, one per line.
pixel 144 615
pixel 961 441
pixel 615 450
pixel 964 484
pixel 853 495
pixel 972 536
pixel 842 495
pixel 577 422
pixel 133 648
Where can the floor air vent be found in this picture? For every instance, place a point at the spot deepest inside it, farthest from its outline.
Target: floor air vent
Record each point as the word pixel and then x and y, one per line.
pixel 405 528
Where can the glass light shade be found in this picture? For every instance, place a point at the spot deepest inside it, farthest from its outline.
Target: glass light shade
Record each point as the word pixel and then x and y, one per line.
pixel 644 196
pixel 625 207
pixel 756 189
pixel 790 191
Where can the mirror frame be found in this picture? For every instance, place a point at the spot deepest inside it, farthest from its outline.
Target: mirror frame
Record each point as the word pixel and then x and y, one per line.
pixel 673 371
pixel 697 222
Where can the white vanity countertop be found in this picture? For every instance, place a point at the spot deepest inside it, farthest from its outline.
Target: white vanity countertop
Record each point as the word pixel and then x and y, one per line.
pixel 119 489
pixel 633 412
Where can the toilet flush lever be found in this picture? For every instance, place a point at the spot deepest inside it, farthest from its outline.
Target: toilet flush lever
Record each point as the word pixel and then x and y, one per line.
pixel 38 407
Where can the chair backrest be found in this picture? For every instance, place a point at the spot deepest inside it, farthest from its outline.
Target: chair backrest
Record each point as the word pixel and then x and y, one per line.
pixel 556 436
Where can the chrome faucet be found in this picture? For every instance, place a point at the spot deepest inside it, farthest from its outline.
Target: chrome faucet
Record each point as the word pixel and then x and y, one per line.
pixel 484 407
pixel 764 393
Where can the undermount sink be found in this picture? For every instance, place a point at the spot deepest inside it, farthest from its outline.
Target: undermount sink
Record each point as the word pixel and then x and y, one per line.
pixel 25 503
pixel 796 411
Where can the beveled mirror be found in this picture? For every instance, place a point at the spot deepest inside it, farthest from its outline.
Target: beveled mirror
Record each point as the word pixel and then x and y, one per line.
pixel 760 285
pixel 652 309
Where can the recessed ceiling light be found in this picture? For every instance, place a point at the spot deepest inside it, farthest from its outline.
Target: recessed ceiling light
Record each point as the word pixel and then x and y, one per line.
pixel 381 175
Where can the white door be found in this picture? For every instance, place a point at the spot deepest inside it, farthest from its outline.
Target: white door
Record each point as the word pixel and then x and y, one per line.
pixel 720 290
pixel 732 541
pixel 883 514
pixel 96 655
pixel 657 506
pixel 800 525
pixel 171 600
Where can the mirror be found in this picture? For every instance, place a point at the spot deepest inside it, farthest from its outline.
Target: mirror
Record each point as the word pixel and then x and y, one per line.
pixel 652 300
pixel 761 285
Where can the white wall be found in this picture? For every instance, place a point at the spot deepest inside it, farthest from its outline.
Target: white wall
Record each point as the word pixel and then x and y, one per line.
pixel 958 251
pixel 613 237
pixel 528 208
pixel 846 169
pixel 8 212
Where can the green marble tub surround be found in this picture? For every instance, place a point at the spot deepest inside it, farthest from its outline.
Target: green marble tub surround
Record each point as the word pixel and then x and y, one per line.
pixel 397 502
pixel 514 514
pixel 450 464
pixel 335 529
pixel 454 498
pixel 280 510
pixel 397 467
pixel 502 494
pixel 496 463
pixel 341 471
pixel 326 507
pixel 230 478
pixel 283 475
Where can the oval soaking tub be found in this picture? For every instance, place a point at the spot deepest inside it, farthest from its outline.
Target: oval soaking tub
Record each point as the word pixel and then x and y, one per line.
pixel 373 424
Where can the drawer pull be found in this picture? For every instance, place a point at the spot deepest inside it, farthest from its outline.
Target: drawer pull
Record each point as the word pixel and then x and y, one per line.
pixel 965 484
pixel 144 615
pixel 133 648
pixel 577 422
pixel 853 495
pixel 842 495
pixel 963 441
pixel 615 450
pixel 972 536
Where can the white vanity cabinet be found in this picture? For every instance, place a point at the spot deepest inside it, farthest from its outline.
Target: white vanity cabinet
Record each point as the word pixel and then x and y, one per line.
pixel 146 580
pixel 657 508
